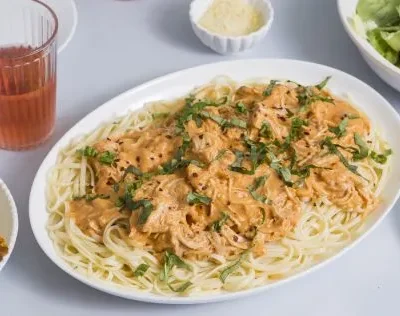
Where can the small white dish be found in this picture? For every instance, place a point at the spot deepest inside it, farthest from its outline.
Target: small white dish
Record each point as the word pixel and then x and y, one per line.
pixel 226 45
pixel 8 220
pixel 383 68
pixel 174 85
pixel 67 15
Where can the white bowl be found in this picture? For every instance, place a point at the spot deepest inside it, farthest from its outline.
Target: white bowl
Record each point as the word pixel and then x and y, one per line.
pixel 383 68
pixel 226 45
pixel 8 220
pixel 384 118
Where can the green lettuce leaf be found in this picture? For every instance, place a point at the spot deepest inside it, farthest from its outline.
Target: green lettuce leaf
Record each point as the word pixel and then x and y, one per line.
pixel 382 12
pixel 392 39
pixel 382 47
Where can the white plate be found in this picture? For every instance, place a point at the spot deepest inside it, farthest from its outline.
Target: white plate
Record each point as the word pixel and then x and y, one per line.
pixel 67 20
pixel 8 220
pixel 179 84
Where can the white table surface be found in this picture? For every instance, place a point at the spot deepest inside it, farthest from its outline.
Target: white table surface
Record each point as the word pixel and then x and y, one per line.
pixel 120 44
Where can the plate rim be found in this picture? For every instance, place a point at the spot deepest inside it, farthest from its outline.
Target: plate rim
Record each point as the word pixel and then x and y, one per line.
pixel 154 298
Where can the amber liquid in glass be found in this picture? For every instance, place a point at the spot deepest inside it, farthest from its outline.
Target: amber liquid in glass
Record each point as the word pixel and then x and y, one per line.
pixel 27 96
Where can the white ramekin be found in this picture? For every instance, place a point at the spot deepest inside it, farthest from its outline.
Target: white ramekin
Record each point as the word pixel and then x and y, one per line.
pixel 226 45
pixel 8 220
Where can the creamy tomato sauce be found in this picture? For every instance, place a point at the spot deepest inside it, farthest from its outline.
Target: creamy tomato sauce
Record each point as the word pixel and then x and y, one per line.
pixel 224 176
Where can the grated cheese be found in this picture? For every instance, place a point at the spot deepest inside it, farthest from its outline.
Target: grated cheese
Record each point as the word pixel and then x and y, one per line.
pixel 232 18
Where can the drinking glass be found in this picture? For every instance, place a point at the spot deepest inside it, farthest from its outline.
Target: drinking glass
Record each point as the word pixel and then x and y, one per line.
pixel 28 56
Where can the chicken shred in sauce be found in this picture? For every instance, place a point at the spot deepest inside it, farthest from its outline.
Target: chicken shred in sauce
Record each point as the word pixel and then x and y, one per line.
pixel 222 176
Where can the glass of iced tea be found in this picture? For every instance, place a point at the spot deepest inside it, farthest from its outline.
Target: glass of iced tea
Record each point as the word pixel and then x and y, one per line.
pixel 28 55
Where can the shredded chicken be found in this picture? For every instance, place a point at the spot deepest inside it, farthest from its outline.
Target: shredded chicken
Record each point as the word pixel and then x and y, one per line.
pixel 197 188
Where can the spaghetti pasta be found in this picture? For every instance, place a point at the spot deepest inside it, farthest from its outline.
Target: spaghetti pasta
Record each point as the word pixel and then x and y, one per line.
pixel 324 221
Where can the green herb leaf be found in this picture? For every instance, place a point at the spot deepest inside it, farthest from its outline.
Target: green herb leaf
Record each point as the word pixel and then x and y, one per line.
pixel 88 151
pixel 258 183
pixel 332 148
pixel 282 171
pixel 296 132
pixel 267 92
pixel 220 154
pixel 141 270
pixel 363 148
pixel 171 260
pixel 381 158
pixel 353 116
pixel 340 130
pixel 133 170
pixel 177 162
pixel 236 122
pixel 227 271
pixel 107 157
pixel 241 108
pixel 147 208
pixel 263 216
pixel 237 164
pixel 160 115
pixel 224 123
pixel 217 225
pixel 306 96
pixel 181 288
pixel 91 197
pixel 195 198
pixel 266 130
pixel 305 171
pixel 322 85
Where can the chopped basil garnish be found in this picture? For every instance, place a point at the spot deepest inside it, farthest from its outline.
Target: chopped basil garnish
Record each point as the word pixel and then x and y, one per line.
pixel 305 171
pixel 353 116
pixel 181 288
pixel 381 158
pixel 322 85
pixel 160 115
pixel 263 216
pixel 266 130
pixel 224 123
pixel 147 208
pixel 133 170
pixel 171 260
pixel 296 132
pixel 241 108
pixel 363 150
pixel 107 157
pixel 237 164
pixel 220 154
pixel 258 183
pixel 237 123
pixel 141 270
pixel 340 130
pixel 267 92
pixel 217 225
pixel 177 162
pixel 196 198
pixel 332 148
pixel 282 171
pixel 227 271
pixel 191 112
pixel 91 197
pixel 88 151
pixel 306 96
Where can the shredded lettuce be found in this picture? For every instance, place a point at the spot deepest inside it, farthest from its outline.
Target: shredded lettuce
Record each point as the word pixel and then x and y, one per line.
pixel 382 12
pixel 378 21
